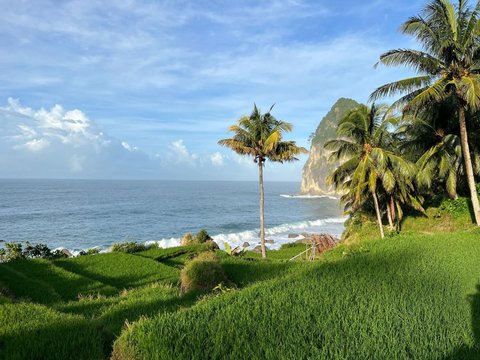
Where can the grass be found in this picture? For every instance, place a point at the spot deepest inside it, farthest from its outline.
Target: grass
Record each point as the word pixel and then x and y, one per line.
pixel 412 296
pixel 285 253
pixel 32 331
pixel 87 306
pixel 120 270
pixel 175 256
pixel 44 282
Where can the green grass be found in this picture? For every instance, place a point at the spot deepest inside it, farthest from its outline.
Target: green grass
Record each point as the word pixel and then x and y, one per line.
pixel 85 299
pixel 412 296
pixel 31 331
pixel 285 253
pixel 44 282
pixel 120 270
pixel 175 256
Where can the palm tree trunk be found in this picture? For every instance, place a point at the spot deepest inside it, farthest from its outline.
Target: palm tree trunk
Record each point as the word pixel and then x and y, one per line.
pixel 377 210
pixel 468 164
pixel 390 217
pixel 262 204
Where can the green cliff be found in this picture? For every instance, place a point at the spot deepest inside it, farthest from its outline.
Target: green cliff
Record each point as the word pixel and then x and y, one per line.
pixel 317 167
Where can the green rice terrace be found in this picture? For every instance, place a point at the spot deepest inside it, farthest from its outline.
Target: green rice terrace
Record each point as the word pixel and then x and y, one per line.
pixel 415 295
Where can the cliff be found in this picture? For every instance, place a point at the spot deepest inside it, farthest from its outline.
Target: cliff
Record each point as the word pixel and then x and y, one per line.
pixel 317 167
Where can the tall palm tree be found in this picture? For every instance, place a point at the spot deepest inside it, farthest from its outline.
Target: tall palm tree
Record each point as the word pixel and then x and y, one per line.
pixel 369 166
pixel 448 65
pixel 260 137
pixel 359 134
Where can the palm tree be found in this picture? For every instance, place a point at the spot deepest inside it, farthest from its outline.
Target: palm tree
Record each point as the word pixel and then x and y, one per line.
pixel 369 166
pixel 448 66
pixel 438 154
pixel 260 136
pixel 360 135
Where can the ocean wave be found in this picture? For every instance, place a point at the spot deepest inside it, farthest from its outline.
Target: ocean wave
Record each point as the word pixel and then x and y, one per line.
pixel 308 196
pixel 279 234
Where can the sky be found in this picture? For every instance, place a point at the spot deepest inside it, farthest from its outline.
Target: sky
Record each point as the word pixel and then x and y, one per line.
pixel 131 89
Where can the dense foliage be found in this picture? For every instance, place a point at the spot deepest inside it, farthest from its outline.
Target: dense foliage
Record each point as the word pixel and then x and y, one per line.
pixel 420 146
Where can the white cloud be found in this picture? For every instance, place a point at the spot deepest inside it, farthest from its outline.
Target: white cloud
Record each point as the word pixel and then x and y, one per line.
pixel 245 161
pixel 179 153
pixel 217 159
pixel 128 147
pixel 34 145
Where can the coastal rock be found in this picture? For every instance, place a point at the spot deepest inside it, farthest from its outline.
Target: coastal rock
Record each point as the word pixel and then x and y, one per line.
pixel 66 252
pixel 245 244
pixel 293 236
pixel 269 241
pixel 318 168
pixel 257 249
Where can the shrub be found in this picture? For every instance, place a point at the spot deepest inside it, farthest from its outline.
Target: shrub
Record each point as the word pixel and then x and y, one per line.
pixel 128 247
pixel 456 207
pixel 187 239
pixel 37 251
pixel 91 251
pixel 12 251
pixel 202 273
pixel 203 237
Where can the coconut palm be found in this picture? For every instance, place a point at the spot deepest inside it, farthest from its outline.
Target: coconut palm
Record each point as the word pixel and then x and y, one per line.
pixel 369 166
pixel 260 136
pixel 448 66
pixel 438 154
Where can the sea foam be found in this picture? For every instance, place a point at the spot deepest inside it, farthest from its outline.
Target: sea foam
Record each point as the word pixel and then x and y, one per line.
pixel 306 196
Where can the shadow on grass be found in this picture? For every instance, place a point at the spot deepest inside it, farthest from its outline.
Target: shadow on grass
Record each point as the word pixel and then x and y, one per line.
pixel 473 352
pixel 246 272
pixel 121 279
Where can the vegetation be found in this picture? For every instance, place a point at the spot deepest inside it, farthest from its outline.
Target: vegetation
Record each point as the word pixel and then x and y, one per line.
pixel 261 136
pixel 371 164
pixel 448 72
pixel 130 247
pixel 16 251
pixel 201 238
pixel 369 300
pixel 202 273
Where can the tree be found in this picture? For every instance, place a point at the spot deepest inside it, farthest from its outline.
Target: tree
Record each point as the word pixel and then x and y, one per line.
pixel 448 66
pixel 260 136
pixel 369 166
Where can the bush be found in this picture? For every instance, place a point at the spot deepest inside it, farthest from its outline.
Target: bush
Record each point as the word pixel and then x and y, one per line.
pixel 456 207
pixel 202 273
pixel 12 251
pixel 128 247
pixel 37 251
pixel 201 238
pixel 187 239
pixel 91 251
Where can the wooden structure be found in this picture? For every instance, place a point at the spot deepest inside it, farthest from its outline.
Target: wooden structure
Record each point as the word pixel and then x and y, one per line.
pixel 316 244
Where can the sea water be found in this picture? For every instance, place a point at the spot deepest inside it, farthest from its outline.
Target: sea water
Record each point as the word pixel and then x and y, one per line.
pixel 81 214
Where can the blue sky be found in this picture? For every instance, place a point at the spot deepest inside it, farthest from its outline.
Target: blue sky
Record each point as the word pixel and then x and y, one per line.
pixel 145 89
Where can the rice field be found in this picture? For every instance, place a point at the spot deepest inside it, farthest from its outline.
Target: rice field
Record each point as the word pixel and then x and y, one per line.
pixel 410 296
pixel 414 296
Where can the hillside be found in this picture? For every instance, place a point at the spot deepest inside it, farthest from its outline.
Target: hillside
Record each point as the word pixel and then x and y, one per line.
pixel 317 167
pixel 406 297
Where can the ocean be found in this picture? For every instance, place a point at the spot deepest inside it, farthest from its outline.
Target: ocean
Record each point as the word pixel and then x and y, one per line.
pixel 82 214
